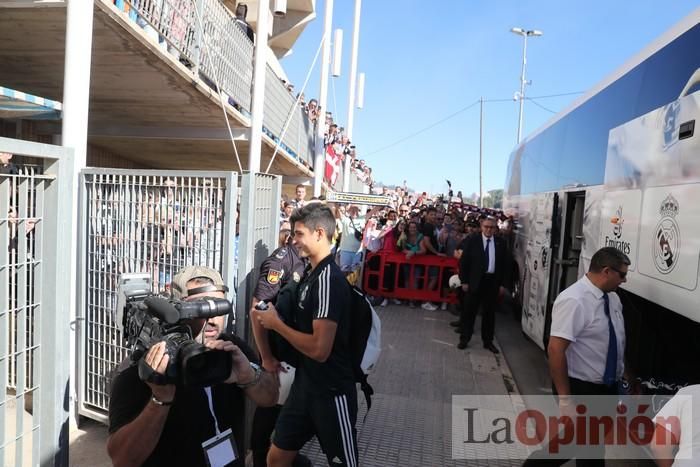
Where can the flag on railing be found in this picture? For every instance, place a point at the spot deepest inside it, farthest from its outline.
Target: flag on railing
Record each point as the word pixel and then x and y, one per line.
pixel 332 165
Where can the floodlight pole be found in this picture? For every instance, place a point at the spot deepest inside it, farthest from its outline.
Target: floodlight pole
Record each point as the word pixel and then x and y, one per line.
pixel 481 152
pixel 521 96
pixel 351 91
pixel 320 159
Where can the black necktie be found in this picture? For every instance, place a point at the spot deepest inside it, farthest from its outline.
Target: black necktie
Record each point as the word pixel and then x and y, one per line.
pixel 610 374
pixel 486 252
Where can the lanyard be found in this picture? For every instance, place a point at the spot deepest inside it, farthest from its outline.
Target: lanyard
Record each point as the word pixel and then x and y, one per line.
pixel 211 408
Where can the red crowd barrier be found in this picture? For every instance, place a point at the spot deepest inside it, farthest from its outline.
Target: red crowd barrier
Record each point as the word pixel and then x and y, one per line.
pixel 391 275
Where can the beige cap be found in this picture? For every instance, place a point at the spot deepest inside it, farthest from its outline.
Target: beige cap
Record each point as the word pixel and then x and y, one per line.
pixel 178 287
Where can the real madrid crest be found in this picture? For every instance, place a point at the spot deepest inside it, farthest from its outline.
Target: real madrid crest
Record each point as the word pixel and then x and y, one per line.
pixel 666 244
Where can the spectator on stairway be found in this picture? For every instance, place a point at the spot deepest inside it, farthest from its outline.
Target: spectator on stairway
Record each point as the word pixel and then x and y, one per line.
pixel 312 110
pixel 300 196
pixel 7 167
pixel 242 23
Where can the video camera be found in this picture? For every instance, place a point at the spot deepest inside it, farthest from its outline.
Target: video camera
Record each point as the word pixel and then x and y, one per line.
pixel 147 319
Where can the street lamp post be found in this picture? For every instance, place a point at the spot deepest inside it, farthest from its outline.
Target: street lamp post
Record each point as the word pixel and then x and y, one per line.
pixel 521 95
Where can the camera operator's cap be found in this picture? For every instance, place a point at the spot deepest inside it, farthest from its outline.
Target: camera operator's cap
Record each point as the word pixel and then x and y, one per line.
pixel 179 284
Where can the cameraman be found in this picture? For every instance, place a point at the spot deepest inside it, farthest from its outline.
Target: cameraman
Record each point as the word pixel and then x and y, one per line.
pixel 151 424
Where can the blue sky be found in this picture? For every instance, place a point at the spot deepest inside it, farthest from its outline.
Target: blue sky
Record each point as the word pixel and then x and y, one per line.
pixel 427 60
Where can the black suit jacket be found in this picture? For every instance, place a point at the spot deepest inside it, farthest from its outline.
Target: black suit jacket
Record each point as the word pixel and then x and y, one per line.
pixel 472 264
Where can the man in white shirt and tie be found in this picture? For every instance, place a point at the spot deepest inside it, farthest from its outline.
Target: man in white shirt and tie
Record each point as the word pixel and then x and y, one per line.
pixel 587 343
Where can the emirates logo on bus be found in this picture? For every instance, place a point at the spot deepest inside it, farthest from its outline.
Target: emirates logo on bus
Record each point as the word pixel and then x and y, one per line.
pixel 617 220
pixel 667 241
pixel 616 241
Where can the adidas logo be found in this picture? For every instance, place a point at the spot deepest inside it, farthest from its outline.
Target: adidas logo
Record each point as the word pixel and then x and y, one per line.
pixel 336 460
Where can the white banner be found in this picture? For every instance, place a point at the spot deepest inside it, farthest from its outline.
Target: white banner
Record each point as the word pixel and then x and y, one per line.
pixel 358 198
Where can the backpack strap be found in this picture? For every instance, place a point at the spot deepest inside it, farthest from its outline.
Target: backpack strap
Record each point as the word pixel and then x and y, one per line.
pixel 368 391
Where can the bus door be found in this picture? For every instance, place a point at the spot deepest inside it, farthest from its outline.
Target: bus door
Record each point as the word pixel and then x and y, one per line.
pixel 567 243
pixel 537 265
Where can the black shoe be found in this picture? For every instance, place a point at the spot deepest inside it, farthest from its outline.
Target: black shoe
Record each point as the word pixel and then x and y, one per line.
pixel 491 347
pixel 462 344
pixel 455 324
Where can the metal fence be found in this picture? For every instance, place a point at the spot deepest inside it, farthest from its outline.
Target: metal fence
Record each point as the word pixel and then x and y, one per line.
pixel 35 213
pixel 143 221
pixel 157 222
pixel 260 220
pixel 299 138
pixel 204 33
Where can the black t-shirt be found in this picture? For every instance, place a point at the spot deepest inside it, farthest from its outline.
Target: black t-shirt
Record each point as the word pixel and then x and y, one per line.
pixel 324 293
pixel 189 421
pixel 428 230
pixel 9 169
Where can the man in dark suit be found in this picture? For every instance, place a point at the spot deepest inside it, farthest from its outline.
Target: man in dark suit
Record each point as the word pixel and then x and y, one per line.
pixel 484 272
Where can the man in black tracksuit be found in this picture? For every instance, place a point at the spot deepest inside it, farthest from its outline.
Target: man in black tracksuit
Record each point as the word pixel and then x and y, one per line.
pixel 283 268
pixel 323 398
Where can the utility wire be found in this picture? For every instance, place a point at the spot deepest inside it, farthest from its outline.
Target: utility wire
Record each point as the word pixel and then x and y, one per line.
pixel 558 95
pixel 454 114
pixel 423 130
pixel 499 100
pixel 539 105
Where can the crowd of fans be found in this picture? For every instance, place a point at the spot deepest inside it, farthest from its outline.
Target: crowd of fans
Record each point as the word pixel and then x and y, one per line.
pixel 337 144
pixel 413 223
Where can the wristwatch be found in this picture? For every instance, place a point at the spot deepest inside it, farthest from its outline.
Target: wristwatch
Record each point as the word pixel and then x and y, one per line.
pixel 256 379
pixel 157 401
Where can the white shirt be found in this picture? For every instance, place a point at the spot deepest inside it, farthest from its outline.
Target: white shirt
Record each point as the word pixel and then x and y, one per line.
pixel 492 254
pixel 579 317
pixel 687 410
pixel 348 242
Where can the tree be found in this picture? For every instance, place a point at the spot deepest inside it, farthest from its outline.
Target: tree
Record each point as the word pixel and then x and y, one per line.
pixel 494 199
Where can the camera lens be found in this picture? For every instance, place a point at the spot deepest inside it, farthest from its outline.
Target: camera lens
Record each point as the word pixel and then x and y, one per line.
pixel 200 366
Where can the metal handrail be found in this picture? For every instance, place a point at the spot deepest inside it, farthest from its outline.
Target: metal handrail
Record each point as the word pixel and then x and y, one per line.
pixel 298 140
pixel 220 50
pixel 205 35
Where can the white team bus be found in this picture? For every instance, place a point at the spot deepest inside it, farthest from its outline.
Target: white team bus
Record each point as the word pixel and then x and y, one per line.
pixel 621 168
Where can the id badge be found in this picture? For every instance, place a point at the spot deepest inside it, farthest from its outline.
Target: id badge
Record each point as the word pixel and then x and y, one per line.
pixel 220 450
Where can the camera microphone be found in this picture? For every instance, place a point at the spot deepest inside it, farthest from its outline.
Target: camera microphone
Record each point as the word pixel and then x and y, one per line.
pixel 162 309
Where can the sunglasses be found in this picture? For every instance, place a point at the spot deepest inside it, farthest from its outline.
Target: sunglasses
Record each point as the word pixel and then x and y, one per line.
pixel 622 275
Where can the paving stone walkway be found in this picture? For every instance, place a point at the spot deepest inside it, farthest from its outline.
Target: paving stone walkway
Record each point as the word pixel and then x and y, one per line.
pixel 420 369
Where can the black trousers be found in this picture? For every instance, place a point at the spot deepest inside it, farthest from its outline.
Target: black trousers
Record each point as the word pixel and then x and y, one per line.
pixel 485 296
pixel 581 389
